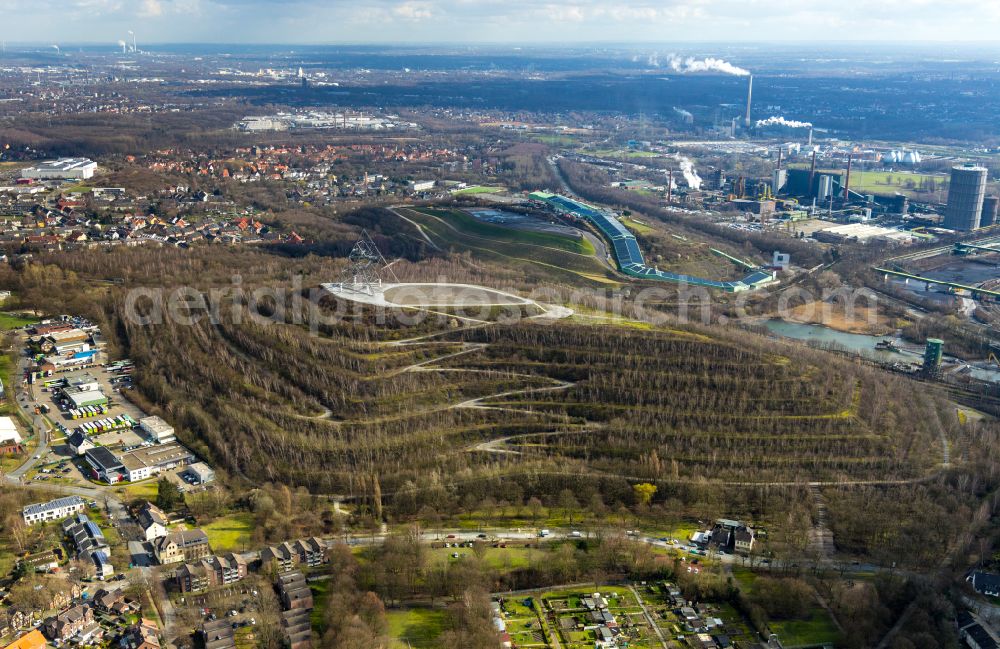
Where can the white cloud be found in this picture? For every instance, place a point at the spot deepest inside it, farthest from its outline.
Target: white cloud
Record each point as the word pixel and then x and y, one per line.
pixel 151 9
pixel 415 11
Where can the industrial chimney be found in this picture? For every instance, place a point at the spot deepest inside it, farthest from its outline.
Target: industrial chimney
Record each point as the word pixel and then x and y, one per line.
pixel 847 180
pixel 746 120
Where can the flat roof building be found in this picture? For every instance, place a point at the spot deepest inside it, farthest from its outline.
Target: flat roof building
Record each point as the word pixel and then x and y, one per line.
pixel 157 429
pixel 75 168
pixel 201 473
pixel 106 466
pixel 83 398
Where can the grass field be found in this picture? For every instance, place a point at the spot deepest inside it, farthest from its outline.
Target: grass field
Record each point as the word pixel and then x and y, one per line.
pixel 321 593
pixel 547 254
pixel 415 627
pixel 479 189
pixel 229 533
pixel 622 153
pixel 147 489
pixel 890 182
pixel 499 558
pixel 818 628
pixel 471 225
pixel 10 321
pixel 636 226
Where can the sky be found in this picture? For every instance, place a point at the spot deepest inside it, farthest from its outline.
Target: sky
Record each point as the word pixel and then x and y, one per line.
pixel 510 21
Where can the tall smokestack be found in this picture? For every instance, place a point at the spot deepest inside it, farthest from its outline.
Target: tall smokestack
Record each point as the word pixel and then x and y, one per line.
pixel 847 180
pixel 778 168
pixel 810 136
pixel 812 172
pixel 670 185
pixel 746 120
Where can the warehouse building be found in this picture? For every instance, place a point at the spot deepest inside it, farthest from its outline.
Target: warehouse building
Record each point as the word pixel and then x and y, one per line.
pixel 200 473
pixel 64 168
pixel 157 430
pixel 85 396
pixel 104 465
pixel 150 460
pixel 863 233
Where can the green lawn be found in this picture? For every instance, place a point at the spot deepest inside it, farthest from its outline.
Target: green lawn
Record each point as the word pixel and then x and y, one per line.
pixel 635 226
pixel 321 593
pixel 147 489
pixel 415 627
pixel 498 558
pixel 10 321
pixel 469 224
pixel 619 153
pixel 479 189
pixel 818 629
pixel 229 533
pixel 554 255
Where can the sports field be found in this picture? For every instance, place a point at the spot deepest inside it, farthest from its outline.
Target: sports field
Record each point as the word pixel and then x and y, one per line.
pixel 479 189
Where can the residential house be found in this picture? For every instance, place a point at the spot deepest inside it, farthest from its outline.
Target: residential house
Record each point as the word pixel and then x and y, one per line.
pixel 52 510
pixel 183 545
pixel 984 583
pixel 112 602
pixel 31 640
pixel 72 622
pixel 152 520
pixel 141 635
pixel 294 592
pixel 87 537
pixel 211 572
pixel 297 628
pixel 310 552
pixel 218 634
pixel 743 540
pixel 79 443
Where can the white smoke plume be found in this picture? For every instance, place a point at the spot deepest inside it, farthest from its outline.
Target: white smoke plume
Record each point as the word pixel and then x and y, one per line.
pixel 684 114
pixel 121 43
pixel 690 175
pixel 691 64
pixel 653 60
pixel 781 121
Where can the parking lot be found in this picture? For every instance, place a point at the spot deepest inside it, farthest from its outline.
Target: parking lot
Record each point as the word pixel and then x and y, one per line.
pixel 58 465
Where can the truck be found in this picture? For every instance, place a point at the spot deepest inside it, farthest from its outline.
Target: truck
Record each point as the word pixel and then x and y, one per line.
pixel 543 533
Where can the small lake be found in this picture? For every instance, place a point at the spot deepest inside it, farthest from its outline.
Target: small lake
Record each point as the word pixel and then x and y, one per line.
pixel 818 335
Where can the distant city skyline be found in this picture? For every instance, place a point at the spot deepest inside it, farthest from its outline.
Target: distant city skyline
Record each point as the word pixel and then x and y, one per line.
pixel 497 21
